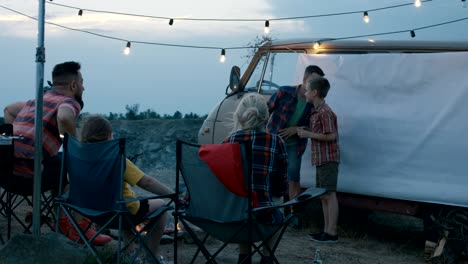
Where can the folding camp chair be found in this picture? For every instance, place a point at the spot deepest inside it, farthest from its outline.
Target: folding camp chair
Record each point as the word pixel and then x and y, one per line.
pixel 214 206
pixel 95 172
pixel 15 191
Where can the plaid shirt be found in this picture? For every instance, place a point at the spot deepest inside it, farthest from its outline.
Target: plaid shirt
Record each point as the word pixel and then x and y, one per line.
pixel 324 121
pixel 51 141
pixel 269 163
pixel 282 105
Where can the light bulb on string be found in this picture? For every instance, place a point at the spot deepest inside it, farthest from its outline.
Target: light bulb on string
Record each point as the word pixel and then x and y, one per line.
pixel 412 33
pixel 171 22
pixel 80 15
pixel 222 59
pixel 267 27
pixel 463 3
pixel 127 48
pixel 417 3
pixel 316 45
pixel 366 17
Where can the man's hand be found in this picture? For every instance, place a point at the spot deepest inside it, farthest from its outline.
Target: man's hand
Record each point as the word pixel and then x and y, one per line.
pixel 288 132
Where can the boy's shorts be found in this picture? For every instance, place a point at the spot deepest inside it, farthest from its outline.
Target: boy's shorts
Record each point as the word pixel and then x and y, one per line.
pixel 327 176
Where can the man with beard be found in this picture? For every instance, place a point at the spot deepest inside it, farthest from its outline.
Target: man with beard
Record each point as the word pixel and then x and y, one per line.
pixel 62 105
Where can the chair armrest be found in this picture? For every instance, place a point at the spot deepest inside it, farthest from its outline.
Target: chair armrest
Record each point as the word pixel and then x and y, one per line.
pixel 63 198
pixel 172 196
pixel 305 196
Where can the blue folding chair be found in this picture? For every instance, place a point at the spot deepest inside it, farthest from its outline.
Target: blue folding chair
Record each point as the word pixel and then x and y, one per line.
pixel 221 213
pixel 95 172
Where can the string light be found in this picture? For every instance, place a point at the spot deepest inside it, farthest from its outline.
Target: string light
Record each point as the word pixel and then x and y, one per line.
pixel 417 3
pixel 366 17
pixel 267 27
pixel 127 48
pixel 223 52
pixel 171 22
pixel 244 19
pixel 316 45
pixel 463 3
pixel 222 59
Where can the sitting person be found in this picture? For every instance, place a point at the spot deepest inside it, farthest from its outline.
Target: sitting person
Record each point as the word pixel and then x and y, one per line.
pixel 95 129
pixel 62 106
pixel 268 156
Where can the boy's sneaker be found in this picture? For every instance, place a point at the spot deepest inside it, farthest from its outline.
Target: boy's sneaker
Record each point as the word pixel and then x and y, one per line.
pixel 325 237
pixel 315 236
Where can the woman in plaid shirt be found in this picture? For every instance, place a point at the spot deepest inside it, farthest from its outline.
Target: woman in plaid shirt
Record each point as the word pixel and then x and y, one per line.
pixel 268 159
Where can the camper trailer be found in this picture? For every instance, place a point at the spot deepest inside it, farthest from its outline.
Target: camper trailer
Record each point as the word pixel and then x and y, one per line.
pixel 401 110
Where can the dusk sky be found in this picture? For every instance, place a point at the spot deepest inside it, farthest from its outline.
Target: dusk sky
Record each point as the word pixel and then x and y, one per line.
pixel 166 79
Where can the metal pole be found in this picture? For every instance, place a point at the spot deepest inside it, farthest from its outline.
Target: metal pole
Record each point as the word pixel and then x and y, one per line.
pixel 40 59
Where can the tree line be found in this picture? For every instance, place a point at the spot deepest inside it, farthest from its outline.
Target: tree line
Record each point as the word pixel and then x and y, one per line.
pixel 133 113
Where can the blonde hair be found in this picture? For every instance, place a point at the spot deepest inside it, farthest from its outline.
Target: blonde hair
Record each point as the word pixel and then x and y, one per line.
pixel 95 129
pixel 251 113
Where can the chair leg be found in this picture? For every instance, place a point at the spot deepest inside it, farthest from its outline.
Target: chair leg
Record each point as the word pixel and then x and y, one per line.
pixel 82 235
pixel 197 241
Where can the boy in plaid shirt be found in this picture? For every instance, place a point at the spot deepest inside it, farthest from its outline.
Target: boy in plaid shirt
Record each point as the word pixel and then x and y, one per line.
pixel 323 131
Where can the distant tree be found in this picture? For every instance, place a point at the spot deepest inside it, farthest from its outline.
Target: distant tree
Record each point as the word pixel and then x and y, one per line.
pixel 191 116
pixel 177 115
pixel 132 111
pixel 112 116
pixel 151 114
pixel 2 120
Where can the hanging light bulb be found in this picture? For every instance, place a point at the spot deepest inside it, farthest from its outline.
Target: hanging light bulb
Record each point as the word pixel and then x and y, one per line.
pixel 127 49
pixel 316 45
pixel 417 3
pixel 463 3
pixel 412 34
pixel 80 12
pixel 171 22
pixel 366 17
pixel 267 27
pixel 222 59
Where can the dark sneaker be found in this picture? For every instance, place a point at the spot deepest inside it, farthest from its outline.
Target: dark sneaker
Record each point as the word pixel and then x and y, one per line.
pixel 325 237
pixel 315 236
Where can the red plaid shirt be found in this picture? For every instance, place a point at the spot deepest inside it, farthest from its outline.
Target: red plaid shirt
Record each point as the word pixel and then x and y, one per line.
pixel 51 141
pixel 324 121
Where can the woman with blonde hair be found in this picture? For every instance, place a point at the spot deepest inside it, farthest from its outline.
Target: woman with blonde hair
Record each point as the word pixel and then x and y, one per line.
pixel 267 156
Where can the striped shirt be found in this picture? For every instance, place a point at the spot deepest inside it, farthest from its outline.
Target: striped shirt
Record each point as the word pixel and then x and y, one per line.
pixel 269 163
pixel 282 106
pixel 324 121
pixel 24 126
